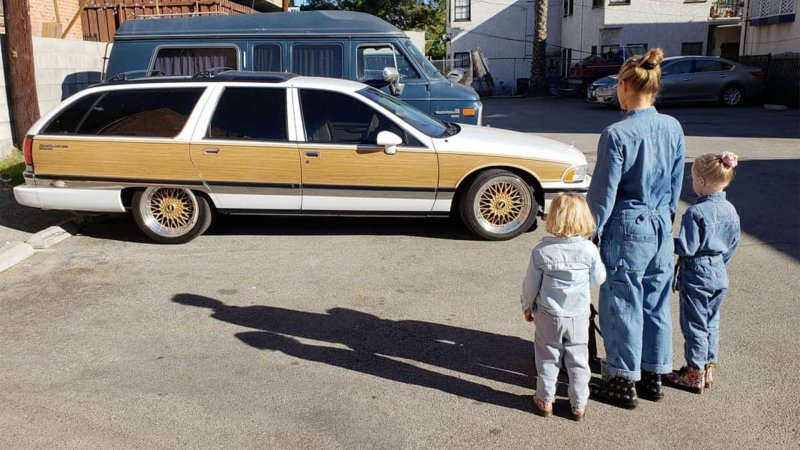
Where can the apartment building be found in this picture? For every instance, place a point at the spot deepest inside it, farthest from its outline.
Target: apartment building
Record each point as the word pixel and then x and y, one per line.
pixel 770 28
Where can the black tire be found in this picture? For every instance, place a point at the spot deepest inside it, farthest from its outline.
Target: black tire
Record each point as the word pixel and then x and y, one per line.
pixel 498 205
pixel 731 96
pixel 171 215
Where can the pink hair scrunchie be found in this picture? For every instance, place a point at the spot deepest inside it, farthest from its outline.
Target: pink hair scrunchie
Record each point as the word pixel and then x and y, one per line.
pixel 729 159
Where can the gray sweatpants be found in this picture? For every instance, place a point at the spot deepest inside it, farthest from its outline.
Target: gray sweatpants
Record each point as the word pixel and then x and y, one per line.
pixel 558 337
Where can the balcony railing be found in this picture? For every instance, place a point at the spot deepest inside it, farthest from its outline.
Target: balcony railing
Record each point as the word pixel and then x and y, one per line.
pixel 726 9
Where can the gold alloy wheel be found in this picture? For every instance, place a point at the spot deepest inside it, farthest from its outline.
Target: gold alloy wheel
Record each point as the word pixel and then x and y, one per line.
pixel 502 205
pixel 169 212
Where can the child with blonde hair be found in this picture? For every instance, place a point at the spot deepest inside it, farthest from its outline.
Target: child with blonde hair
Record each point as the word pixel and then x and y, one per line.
pixel 555 296
pixel 707 241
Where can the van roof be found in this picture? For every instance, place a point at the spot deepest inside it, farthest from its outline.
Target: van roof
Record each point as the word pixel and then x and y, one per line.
pixel 303 23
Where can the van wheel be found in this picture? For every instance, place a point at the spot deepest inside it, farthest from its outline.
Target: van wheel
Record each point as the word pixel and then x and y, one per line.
pixel 171 215
pixel 498 205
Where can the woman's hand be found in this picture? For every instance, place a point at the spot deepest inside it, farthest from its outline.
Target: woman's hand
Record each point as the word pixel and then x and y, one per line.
pixel 528 315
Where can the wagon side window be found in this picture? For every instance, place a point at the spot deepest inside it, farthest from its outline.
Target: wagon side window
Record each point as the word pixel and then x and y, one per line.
pixel 318 60
pixel 192 60
pixel 141 112
pixel 250 114
pixel 68 120
pixel 267 58
pixel 331 117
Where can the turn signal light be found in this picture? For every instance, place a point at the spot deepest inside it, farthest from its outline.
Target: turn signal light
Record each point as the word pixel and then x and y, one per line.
pixel 575 174
pixel 468 112
pixel 758 74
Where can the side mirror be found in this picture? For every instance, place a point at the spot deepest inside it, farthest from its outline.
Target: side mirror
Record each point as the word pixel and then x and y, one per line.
pixel 392 76
pixel 389 141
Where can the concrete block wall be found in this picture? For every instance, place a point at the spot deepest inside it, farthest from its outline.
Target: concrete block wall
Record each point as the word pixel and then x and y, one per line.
pixel 63 67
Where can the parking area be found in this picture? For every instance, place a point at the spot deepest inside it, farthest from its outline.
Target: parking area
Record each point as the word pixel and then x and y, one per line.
pixel 302 332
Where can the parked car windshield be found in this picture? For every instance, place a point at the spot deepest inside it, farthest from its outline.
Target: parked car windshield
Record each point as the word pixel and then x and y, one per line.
pixel 416 118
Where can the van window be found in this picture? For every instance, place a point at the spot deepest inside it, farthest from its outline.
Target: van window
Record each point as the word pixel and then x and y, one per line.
pixel 193 60
pixel 141 112
pixel 331 117
pixel 318 60
pixel 250 113
pixel 373 58
pixel 267 58
pixel 69 119
pixel 423 62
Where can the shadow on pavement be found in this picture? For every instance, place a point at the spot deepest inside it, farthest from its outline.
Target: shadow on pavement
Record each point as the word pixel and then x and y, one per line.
pixel 766 194
pixel 375 345
pixel 23 219
pixel 574 115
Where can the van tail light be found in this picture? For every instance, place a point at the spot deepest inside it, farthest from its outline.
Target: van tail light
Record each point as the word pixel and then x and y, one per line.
pixel 27 153
pixel 758 74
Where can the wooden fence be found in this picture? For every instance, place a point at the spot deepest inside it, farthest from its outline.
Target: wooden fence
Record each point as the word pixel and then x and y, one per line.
pixel 101 18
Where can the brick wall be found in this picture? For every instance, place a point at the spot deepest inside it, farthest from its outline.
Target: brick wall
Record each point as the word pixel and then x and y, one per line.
pixel 63 67
pixel 42 11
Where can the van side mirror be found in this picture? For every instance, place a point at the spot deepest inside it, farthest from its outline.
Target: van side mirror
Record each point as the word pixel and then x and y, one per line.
pixel 389 141
pixel 392 76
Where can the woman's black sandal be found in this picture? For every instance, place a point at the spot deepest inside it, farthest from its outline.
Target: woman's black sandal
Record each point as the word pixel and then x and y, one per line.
pixel 649 387
pixel 621 392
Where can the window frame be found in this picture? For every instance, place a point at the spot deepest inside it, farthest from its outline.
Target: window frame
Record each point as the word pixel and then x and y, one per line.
pixel 700 50
pixel 154 57
pixel 456 7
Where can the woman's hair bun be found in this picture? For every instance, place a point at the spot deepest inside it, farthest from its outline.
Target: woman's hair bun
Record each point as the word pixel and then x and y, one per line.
pixel 651 59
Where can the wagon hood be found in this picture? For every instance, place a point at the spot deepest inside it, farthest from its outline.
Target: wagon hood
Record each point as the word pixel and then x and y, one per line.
pixel 498 142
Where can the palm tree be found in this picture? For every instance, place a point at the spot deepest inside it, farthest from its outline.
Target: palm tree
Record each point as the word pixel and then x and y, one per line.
pixel 538 66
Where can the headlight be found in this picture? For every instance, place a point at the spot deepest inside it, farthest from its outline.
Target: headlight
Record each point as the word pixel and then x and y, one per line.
pixel 575 174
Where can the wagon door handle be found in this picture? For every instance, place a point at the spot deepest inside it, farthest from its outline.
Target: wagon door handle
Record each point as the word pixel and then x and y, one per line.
pixel 312 154
pixel 211 150
pixel 722 75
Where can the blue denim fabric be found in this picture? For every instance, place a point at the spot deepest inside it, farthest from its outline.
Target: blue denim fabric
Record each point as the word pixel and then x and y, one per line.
pixel 633 196
pixel 559 274
pixel 709 237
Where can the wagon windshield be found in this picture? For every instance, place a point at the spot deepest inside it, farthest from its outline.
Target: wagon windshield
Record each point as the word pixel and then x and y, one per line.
pixel 416 118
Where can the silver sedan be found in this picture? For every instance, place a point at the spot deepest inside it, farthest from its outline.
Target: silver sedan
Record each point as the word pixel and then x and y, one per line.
pixel 693 79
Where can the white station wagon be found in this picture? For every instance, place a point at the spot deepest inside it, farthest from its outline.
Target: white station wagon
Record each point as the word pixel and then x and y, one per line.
pixel 174 151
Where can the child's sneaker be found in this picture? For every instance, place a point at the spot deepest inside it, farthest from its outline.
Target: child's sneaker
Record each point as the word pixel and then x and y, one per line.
pixel 578 413
pixel 542 407
pixel 688 378
pixel 710 374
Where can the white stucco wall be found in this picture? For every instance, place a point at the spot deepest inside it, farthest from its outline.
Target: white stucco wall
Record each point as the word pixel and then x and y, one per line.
pixel 62 67
pixel 775 39
pixel 503 29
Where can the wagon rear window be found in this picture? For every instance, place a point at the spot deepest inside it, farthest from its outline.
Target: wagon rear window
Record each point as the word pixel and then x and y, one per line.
pixel 141 112
pixel 69 119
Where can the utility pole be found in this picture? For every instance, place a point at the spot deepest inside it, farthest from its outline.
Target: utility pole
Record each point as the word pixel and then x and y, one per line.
pixel 285 5
pixel 21 79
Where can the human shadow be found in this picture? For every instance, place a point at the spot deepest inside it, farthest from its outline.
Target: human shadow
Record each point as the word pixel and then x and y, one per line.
pixel 766 194
pixel 377 347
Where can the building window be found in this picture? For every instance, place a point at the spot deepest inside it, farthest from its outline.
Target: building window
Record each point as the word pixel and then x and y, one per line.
pixel 461 60
pixel 619 2
pixel 598 3
pixel 594 50
pixel 767 12
pixel 569 7
pixel 461 10
pixel 691 48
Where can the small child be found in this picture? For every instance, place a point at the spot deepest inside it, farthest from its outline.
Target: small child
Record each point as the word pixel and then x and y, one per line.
pixel 555 296
pixel 707 241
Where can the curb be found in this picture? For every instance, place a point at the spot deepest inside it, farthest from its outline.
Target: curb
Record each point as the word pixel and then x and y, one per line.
pixel 42 240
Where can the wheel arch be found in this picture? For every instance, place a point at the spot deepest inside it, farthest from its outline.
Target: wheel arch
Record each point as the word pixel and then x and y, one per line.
pixel 464 183
pixel 126 196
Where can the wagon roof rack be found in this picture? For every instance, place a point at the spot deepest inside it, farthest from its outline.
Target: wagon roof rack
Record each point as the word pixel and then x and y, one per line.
pixel 204 75
pixel 125 76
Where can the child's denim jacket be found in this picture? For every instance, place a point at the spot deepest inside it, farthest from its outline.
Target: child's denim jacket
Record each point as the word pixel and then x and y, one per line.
pixel 708 239
pixel 559 274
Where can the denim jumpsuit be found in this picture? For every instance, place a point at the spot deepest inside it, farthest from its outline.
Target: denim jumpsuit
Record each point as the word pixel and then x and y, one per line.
pixel 707 241
pixel 556 286
pixel 633 196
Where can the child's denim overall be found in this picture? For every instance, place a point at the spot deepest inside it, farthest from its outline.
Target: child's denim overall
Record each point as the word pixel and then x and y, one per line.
pixel 707 241
pixel 633 195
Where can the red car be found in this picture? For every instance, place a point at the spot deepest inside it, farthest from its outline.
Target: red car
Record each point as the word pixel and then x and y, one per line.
pixel 594 67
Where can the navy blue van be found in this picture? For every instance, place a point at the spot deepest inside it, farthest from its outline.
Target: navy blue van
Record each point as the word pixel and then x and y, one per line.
pixel 336 44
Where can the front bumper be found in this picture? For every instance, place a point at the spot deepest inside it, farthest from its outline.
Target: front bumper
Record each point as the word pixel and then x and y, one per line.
pixel 603 96
pixel 553 189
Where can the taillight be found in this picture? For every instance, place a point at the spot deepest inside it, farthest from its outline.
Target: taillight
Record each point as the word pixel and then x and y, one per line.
pixel 27 152
pixel 757 74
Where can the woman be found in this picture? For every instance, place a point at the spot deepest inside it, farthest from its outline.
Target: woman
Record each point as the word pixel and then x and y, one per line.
pixel 633 196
